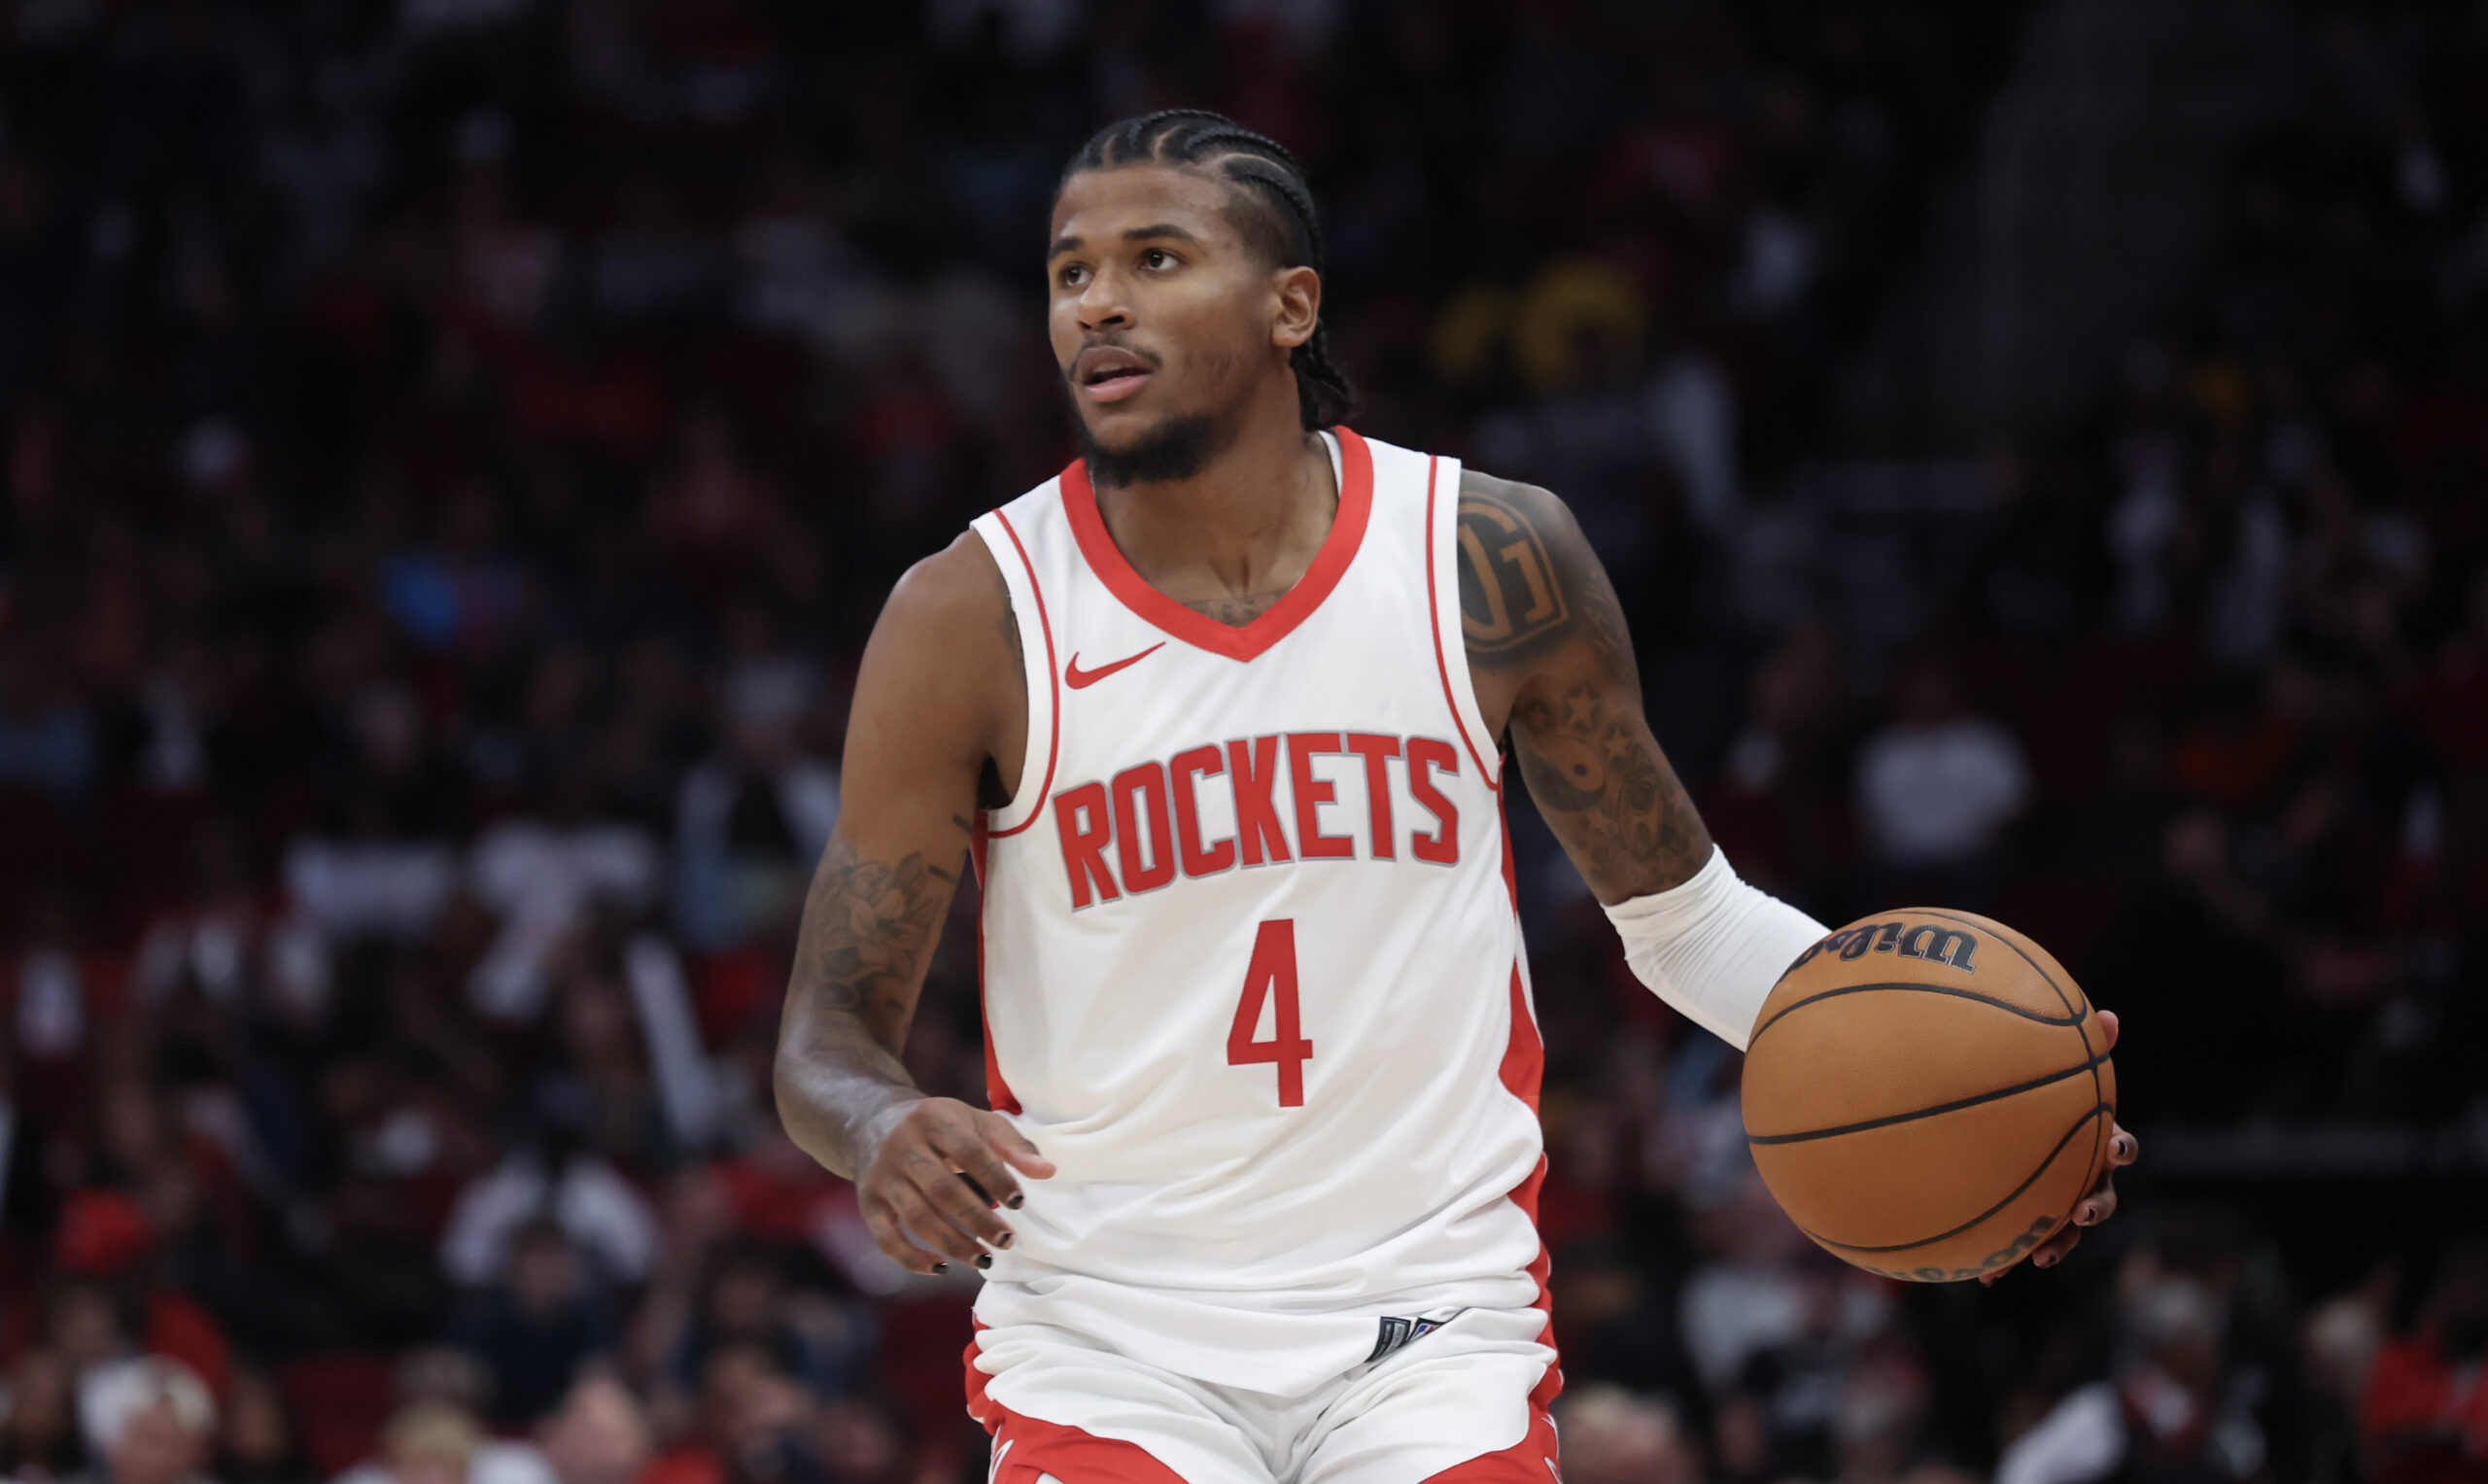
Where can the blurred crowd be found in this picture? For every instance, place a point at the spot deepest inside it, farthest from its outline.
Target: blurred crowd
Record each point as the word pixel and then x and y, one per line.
pixel 451 454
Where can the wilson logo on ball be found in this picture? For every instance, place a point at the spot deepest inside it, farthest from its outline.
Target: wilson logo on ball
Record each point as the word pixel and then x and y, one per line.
pixel 1949 947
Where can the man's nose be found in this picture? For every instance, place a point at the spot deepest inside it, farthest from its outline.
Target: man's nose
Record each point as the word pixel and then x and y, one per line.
pixel 1103 305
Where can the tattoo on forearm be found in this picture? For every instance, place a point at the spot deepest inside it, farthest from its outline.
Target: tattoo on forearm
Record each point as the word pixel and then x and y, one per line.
pixel 1537 608
pixel 869 928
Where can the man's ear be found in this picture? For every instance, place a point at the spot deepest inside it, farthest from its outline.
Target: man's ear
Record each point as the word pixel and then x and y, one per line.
pixel 1298 304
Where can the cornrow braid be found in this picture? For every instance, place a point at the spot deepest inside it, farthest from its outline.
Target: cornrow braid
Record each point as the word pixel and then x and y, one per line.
pixel 1290 229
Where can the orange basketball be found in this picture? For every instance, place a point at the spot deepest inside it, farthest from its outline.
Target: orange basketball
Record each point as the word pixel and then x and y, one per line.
pixel 1928 1094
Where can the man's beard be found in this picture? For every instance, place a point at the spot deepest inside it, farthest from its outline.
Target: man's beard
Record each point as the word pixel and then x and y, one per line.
pixel 1177 448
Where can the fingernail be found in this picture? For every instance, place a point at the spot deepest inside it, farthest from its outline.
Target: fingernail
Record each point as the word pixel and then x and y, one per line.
pixel 1006 1239
pixel 2045 1259
pixel 2089 1216
pixel 941 1268
pixel 984 1259
pixel 1017 1201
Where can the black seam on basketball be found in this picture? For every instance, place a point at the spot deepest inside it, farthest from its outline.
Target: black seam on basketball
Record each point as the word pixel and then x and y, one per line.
pixel 1958 994
pixel 2093 1117
pixel 2097 1133
pixel 2097 1091
pixel 1956 1106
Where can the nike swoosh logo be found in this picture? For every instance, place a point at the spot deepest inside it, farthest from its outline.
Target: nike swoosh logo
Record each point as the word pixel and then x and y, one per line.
pixel 1081 680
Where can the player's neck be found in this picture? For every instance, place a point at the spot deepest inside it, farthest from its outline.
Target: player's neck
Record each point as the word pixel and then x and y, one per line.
pixel 1247 525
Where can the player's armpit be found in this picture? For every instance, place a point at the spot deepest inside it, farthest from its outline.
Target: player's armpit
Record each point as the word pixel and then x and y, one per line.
pixel 937 701
pixel 1551 658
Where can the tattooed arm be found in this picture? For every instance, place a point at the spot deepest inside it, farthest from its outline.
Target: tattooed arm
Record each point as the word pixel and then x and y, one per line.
pixel 1549 652
pixel 1551 659
pixel 940 710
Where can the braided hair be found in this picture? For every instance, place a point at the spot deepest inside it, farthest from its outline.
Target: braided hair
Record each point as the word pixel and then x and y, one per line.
pixel 1286 228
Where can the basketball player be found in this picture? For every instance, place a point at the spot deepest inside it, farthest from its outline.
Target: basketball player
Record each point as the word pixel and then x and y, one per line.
pixel 1218 712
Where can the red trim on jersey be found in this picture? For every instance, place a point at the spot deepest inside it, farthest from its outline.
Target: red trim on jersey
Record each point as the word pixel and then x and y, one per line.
pixel 1442 668
pixel 1531 1461
pixel 1024 1447
pixel 987 1414
pixel 997 1093
pixel 1027 1447
pixel 1523 1071
pixel 1511 877
pixel 1053 684
pixel 1329 564
pixel 1524 1064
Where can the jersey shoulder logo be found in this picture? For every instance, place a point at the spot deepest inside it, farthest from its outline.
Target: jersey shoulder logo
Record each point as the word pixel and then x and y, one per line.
pixel 1081 680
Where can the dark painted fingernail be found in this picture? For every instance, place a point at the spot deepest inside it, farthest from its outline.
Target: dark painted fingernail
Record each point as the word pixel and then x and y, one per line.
pixel 2087 1216
pixel 1006 1239
pixel 1017 1201
pixel 2045 1259
pixel 984 1259
pixel 941 1268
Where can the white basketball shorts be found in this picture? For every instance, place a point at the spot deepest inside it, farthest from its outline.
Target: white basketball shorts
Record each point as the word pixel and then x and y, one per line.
pixel 1459 1402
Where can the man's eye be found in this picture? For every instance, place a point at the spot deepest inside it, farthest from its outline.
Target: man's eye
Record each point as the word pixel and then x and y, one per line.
pixel 1158 258
pixel 1071 275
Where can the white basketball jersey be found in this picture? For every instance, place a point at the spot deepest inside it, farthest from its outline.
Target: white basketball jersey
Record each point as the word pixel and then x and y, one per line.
pixel 1252 978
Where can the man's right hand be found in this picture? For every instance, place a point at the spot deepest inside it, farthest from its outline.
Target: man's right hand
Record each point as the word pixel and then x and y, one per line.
pixel 916 1192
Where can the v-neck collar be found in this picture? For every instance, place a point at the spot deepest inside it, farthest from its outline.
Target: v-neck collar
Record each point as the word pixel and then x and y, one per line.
pixel 1329 564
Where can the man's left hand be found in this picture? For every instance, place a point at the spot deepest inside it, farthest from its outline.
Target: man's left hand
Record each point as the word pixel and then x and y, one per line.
pixel 2101 1203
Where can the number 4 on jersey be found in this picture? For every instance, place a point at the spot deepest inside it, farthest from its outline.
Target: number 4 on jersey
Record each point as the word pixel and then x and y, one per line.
pixel 1273 967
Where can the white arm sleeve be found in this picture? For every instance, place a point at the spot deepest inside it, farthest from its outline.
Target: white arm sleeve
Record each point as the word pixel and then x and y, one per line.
pixel 1714 946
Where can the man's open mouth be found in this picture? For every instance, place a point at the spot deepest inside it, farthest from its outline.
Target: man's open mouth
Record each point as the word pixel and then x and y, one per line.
pixel 1109 374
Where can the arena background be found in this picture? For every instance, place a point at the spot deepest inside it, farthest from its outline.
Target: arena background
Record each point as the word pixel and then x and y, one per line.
pixel 455 450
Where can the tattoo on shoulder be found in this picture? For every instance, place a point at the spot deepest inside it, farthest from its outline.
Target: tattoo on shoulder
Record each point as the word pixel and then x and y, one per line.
pixel 1509 591
pixel 1537 608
